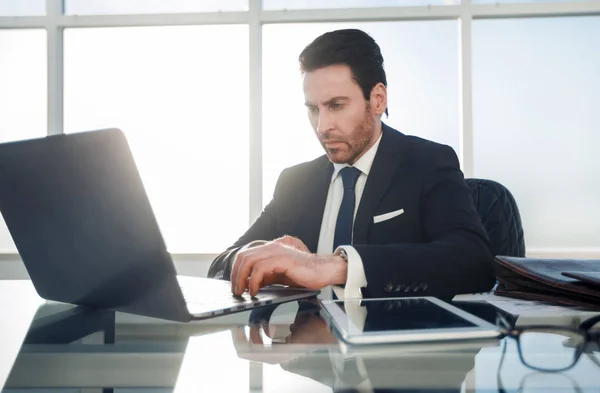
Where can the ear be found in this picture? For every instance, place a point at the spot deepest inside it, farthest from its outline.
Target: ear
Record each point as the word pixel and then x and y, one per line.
pixel 378 99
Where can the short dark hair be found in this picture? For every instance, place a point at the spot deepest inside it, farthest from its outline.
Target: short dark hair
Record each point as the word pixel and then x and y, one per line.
pixel 351 47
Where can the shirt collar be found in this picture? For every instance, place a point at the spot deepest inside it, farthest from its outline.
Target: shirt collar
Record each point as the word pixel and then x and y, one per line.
pixel 363 164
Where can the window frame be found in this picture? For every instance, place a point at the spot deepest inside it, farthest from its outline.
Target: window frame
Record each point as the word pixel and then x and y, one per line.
pixel 55 21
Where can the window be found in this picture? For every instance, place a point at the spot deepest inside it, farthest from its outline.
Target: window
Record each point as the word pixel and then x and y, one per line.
pixel 22 7
pixel 22 94
pixel 312 4
pixel 181 97
pixel 421 62
pixel 536 95
pixel 178 84
pixel 97 7
pixel 522 1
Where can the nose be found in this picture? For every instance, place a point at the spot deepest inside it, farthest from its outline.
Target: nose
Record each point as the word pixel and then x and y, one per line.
pixel 325 122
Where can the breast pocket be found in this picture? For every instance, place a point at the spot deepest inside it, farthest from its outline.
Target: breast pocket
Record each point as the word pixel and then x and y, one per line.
pixel 394 226
pixel 387 216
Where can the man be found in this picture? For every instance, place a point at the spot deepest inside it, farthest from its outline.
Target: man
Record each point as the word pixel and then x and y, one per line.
pixel 381 213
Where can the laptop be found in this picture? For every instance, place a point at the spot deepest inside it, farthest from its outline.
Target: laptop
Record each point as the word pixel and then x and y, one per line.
pixel 79 215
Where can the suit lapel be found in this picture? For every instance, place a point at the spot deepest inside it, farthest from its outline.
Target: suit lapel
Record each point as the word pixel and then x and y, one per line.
pixel 316 196
pixel 386 162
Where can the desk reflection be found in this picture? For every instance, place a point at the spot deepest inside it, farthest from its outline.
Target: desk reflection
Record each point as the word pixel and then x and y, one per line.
pixel 312 350
pixel 266 350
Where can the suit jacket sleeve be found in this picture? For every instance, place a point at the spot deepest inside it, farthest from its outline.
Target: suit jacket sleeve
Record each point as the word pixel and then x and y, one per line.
pixel 454 257
pixel 264 228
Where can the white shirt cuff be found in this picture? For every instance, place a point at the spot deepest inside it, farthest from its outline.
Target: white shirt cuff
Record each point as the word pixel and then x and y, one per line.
pixel 356 276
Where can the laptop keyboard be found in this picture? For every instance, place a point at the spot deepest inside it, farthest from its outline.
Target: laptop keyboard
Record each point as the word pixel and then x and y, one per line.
pixel 210 294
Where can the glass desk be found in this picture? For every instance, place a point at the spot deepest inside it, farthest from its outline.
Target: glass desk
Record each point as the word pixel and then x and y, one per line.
pixel 61 348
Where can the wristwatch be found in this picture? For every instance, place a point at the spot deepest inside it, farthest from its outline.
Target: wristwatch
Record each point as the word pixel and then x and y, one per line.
pixel 342 253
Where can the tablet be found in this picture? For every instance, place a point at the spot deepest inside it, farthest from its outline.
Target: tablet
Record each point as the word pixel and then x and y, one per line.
pixel 404 320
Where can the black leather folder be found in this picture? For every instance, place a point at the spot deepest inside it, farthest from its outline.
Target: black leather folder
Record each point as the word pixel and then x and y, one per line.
pixel 571 282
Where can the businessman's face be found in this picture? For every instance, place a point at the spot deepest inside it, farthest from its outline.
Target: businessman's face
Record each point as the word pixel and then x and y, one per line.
pixel 346 124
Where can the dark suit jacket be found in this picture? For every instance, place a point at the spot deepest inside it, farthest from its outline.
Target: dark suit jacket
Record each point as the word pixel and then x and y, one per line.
pixel 437 247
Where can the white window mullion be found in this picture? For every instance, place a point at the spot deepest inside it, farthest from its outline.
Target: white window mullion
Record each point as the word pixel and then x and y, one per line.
pixel 466 90
pixel 54 9
pixel 255 141
pixel 534 9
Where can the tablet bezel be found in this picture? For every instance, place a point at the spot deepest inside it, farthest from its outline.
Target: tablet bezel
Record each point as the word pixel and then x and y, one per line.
pixel 350 333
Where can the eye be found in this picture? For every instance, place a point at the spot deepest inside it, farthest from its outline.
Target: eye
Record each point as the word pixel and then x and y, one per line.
pixel 336 106
pixel 312 110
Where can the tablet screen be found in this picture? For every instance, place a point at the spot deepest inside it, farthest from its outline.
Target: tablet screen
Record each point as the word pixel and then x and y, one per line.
pixel 406 314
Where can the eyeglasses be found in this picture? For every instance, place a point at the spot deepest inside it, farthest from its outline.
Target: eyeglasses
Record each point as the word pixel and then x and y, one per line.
pixel 548 348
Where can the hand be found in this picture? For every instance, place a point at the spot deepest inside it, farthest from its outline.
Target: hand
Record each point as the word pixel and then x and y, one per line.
pixel 277 263
pixel 293 242
pixel 287 240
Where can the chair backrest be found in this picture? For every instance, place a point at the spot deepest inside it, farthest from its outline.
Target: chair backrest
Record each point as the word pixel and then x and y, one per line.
pixel 500 216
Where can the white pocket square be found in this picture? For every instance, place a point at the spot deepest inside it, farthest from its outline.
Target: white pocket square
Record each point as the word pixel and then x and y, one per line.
pixel 387 216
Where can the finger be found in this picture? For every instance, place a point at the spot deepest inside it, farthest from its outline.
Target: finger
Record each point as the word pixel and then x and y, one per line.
pixel 243 271
pixel 246 266
pixel 238 262
pixel 265 271
pixel 256 278
pixel 234 270
pixel 241 259
pixel 261 274
pixel 238 284
pixel 269 279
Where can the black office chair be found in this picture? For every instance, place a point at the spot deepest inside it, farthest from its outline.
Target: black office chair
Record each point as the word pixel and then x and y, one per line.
pixel 500 216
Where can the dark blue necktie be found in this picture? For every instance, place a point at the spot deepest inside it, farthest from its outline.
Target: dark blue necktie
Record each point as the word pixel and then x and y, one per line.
pixel 345 218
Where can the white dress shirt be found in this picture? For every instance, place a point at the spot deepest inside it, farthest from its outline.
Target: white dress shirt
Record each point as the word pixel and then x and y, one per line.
pixel 356 272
